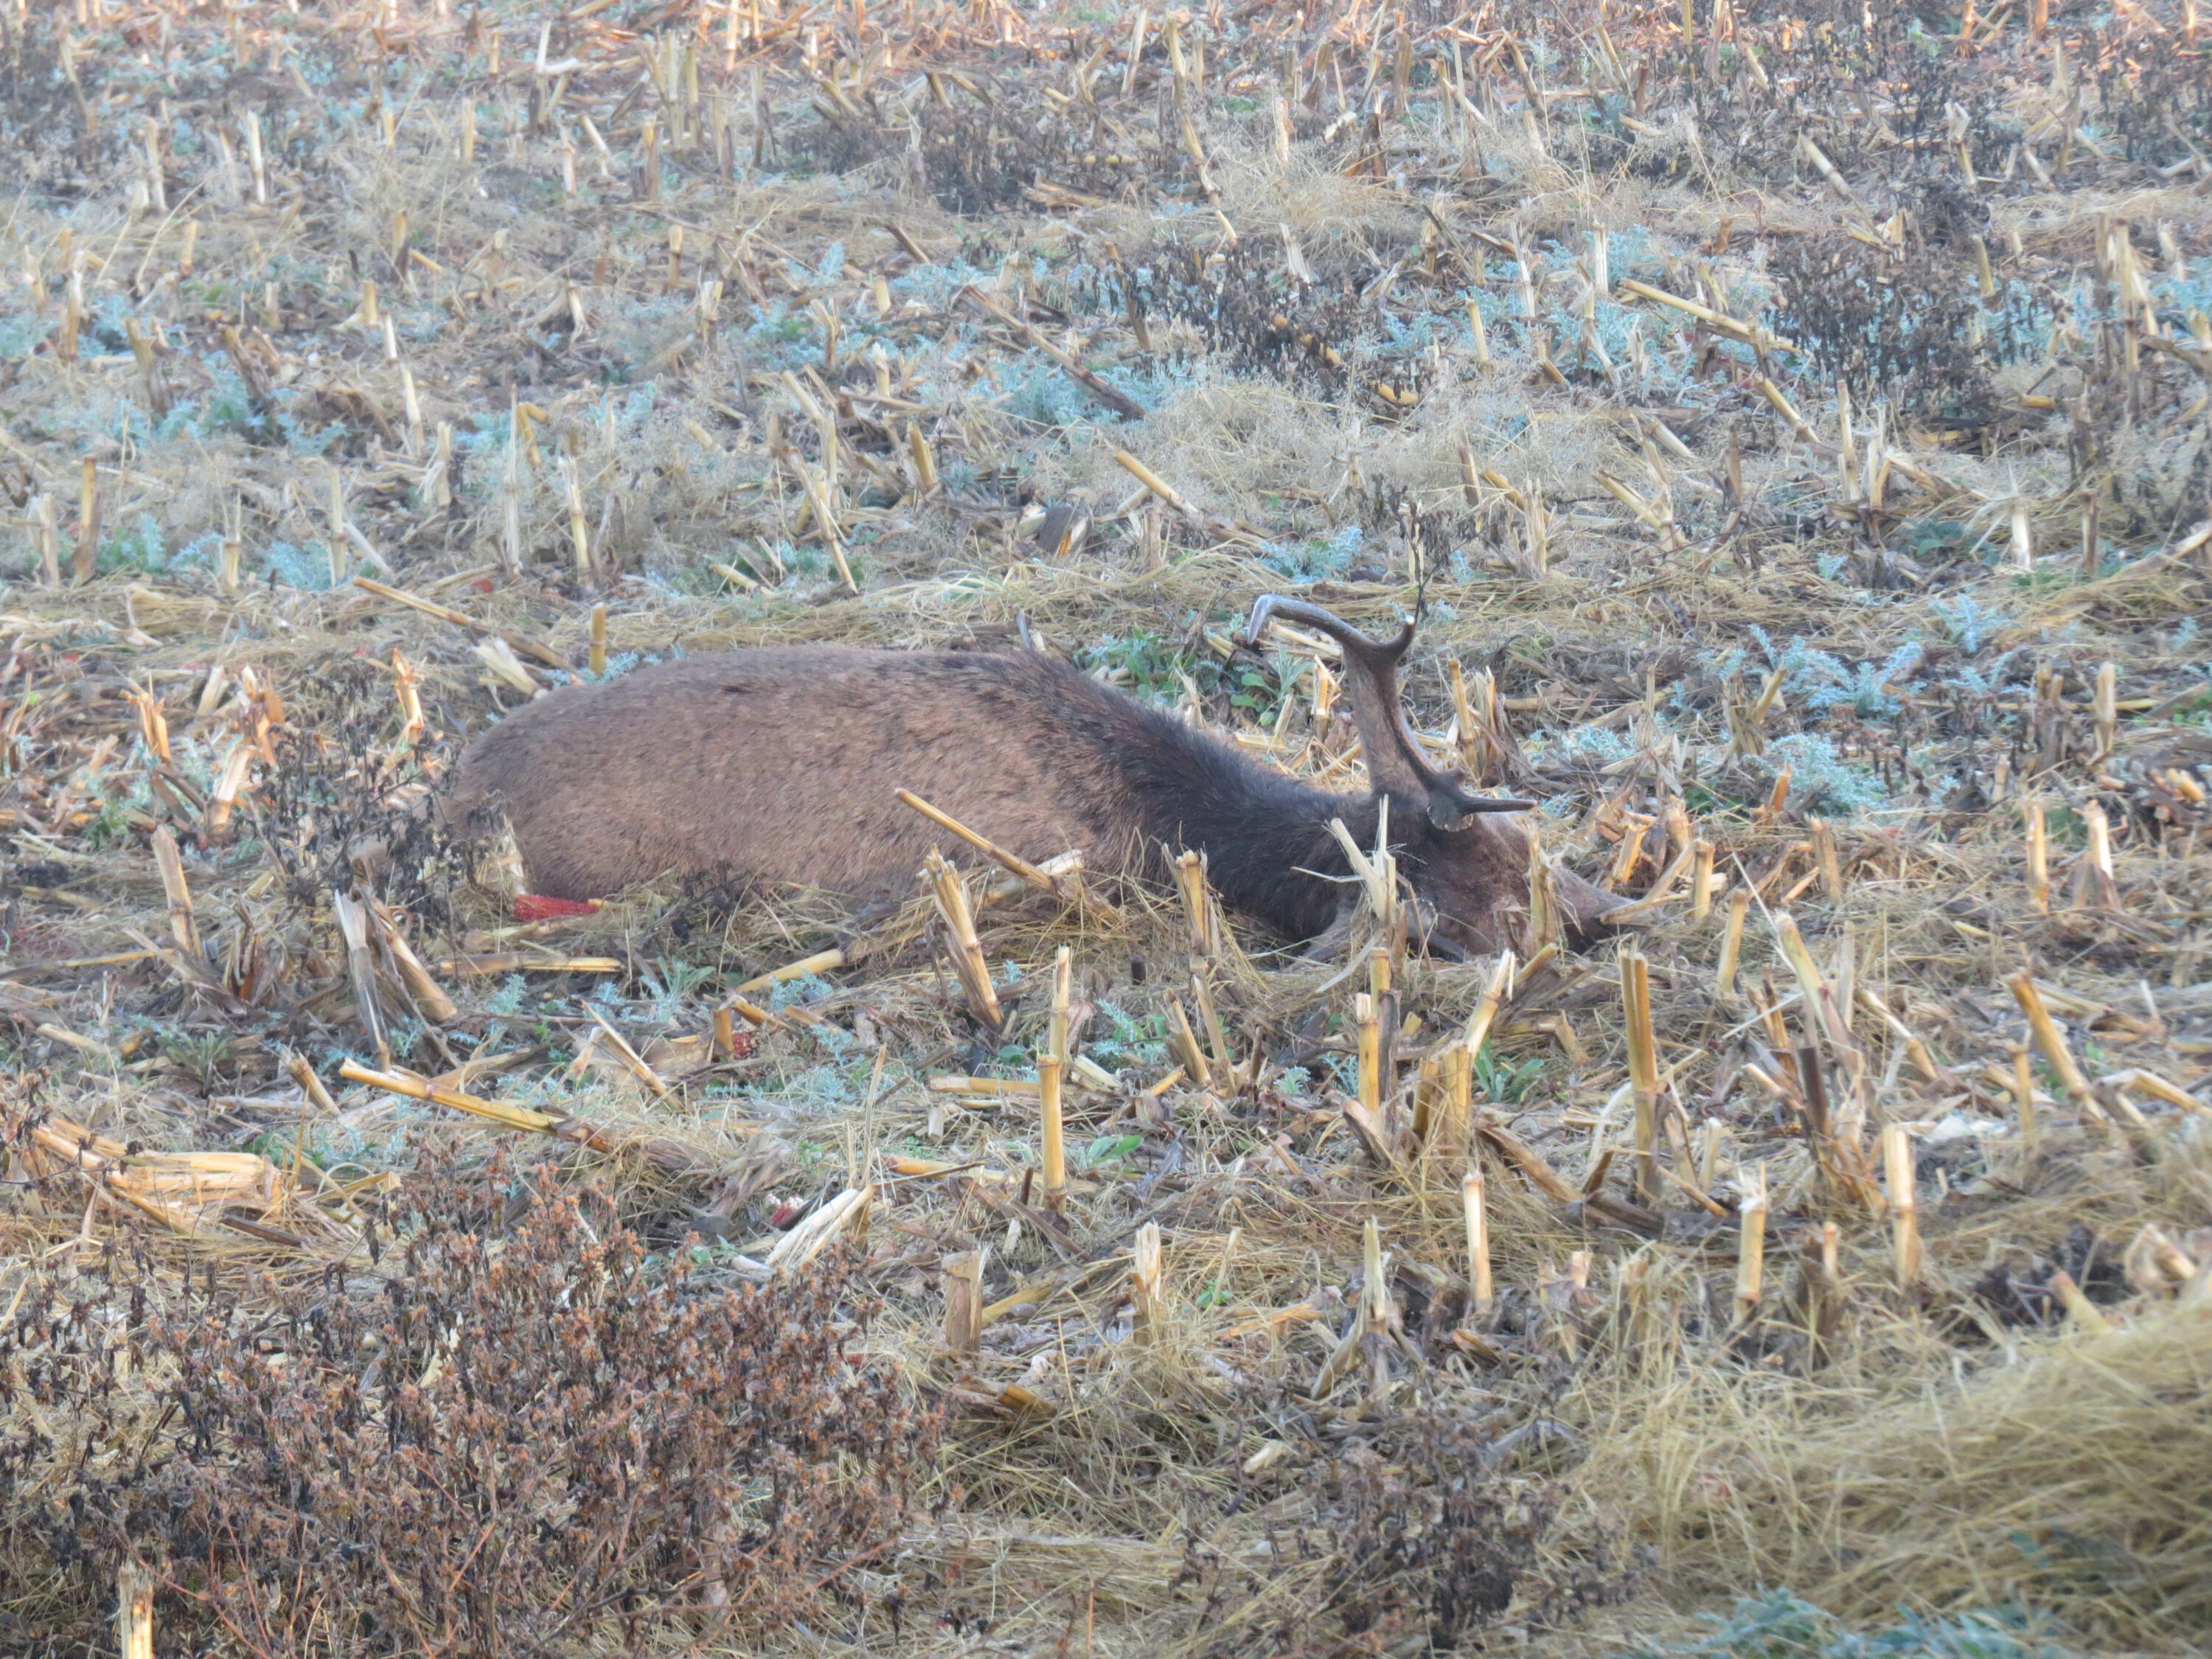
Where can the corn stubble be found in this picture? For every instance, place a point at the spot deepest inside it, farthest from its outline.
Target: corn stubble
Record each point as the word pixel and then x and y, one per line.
pixel 1794 428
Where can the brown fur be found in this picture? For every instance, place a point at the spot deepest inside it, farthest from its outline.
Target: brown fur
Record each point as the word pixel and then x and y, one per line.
pixel 781 765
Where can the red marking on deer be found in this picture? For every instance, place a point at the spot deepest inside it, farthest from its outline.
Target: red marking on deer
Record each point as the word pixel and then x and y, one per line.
pixel 537 907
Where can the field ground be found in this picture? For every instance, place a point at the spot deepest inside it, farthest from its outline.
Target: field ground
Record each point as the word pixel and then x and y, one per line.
pixel 1790 425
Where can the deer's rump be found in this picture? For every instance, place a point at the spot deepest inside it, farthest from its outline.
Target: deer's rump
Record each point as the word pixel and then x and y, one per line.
pixel 783 765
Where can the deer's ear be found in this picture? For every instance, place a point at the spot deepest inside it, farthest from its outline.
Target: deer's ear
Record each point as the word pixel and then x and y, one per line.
pixel 1452 805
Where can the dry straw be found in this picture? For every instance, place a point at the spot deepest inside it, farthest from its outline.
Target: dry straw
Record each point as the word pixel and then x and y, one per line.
pixel 1861 1254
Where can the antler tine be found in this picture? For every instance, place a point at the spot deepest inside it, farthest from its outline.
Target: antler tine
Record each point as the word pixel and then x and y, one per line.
pixel 1373 653
pixel 1395 763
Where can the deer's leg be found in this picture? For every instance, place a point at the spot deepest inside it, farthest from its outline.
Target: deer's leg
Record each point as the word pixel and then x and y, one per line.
pixel 1331 943
pixel 1431 942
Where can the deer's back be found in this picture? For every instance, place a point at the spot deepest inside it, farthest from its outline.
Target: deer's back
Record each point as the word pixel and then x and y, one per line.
pixel 783 765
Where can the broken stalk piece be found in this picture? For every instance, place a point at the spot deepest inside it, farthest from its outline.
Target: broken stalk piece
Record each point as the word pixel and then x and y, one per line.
pixel 951 893
pixel 1051 1064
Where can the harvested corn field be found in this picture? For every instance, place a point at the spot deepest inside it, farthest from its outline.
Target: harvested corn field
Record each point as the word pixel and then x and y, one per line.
pixel 1787 428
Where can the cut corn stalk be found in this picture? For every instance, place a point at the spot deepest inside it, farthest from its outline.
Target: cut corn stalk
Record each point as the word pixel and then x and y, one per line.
pixel 660 1154
pixel 821 962
pixel 1731 946
pixel 429 996
pixel 1744 333
pixel 1369 1313
pixel 188 1192
pixel 966 951
pixel 481 967
pixel 1068 885
pixel 1159 487
pixel 2083 1314
pixel 1751 1250
pixel 230 783
pixel 1812 984
pixel 498 656
pixel 1701 880
pixel 1663 891
pixel 134 1586
pixel 1453 1123
pixel 632 1061
pixel 963 1300
pixel 1147 1284
pixel 2095 886
pixel 1643 1071
pixel 2146 1081
pixel 1198 907
pixel 1183 1043
pixel 1377 873
pixel 2023 1097
pixel 1835 180
pixel 1215 1032
pixel 523 643
pixel 1050 1065
pixel 1481 1294
pixel 1545 928
pixel 1368 1027
pixel 1828 861
pixel 1525 1159
pixel 1781 404
pixel 361 967
pixel 1904 1205
pixel 2052 1042
pixel 1915 1051
pixel 170 861
pixel 1105 391
pixel 2039 855
pixel 818 1232
pixel 301 1073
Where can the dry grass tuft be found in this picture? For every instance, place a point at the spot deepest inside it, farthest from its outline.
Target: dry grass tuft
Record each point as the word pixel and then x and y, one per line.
pixel 2071 1481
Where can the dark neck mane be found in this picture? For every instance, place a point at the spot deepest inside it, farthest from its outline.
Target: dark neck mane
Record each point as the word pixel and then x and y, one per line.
pixel 1265 835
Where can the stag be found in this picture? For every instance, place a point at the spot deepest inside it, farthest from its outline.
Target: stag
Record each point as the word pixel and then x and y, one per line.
pixel 783 764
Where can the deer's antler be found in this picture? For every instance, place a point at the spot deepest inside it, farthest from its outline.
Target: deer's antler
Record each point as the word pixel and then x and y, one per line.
pixel 1395 763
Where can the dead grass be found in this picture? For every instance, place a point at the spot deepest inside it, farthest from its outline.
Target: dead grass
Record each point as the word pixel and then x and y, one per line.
pixel 2056 1481
pixel 1256 1451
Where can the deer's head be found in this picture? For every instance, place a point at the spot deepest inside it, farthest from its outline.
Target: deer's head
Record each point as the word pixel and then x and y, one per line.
pixel 1457 849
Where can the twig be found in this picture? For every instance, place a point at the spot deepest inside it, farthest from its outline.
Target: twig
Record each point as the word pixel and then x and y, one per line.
pixel 1069 890
pixel 1105 391
pixel 522 642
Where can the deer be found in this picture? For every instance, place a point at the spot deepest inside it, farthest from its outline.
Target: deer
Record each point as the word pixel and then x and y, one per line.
pixel 783 765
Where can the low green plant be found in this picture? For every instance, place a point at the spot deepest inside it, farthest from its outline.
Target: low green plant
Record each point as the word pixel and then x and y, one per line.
pixel 1506 1081
pixel 1105 1150
pixel 672 980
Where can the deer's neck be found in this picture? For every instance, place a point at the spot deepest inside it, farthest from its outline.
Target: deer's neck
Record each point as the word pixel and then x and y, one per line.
pixel 1266 836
